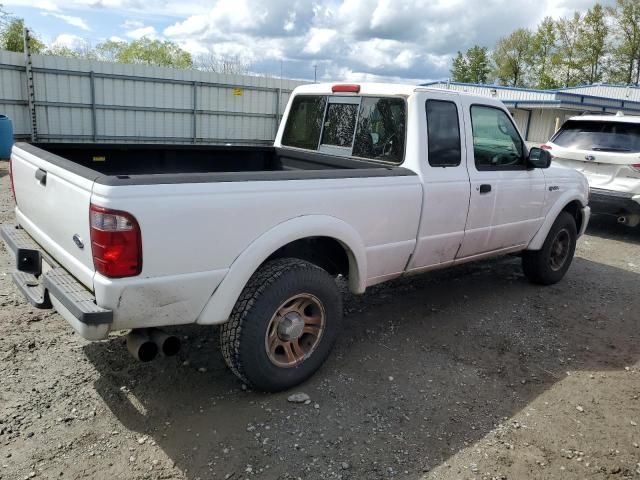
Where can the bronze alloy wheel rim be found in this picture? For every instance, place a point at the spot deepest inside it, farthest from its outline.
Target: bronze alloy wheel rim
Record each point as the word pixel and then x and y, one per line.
pixel 295 330
pixel 559 250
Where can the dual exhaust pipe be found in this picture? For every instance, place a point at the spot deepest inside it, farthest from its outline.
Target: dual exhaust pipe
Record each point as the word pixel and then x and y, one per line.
pixel 145 344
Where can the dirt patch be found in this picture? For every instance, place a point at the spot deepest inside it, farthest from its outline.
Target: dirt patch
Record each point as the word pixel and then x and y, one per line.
pixel 465 373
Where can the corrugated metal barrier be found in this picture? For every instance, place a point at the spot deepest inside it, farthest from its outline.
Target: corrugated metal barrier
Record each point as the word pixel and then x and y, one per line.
pixel 89 101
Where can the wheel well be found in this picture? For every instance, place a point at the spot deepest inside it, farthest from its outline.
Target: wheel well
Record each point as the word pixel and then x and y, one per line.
pixel 575 209
pixel 326 252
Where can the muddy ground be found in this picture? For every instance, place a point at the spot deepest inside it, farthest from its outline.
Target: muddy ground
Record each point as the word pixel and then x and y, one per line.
pixel 466 373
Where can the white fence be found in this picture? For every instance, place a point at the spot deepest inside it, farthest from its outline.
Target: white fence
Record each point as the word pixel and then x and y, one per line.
pixel 90 101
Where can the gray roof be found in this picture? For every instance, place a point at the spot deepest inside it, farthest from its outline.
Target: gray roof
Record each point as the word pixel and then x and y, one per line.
pixel 592 98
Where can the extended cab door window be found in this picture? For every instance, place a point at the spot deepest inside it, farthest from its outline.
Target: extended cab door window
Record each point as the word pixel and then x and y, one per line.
pixel 443 134
pixel 496 142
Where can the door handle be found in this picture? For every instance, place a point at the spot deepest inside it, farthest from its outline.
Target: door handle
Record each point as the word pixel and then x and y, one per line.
pixel 41 176
pixel 485 188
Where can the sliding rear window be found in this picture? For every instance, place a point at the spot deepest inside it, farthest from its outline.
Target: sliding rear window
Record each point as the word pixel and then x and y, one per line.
pixel 599 136
pixel 366 127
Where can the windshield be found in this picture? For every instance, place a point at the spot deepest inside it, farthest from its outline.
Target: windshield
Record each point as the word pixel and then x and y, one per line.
pixel 599 136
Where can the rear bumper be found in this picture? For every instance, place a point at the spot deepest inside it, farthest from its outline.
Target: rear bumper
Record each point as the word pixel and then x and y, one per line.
pixel 614 203
pixel 45 284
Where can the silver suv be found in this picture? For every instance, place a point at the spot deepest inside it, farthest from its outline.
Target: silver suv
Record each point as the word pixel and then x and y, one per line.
pixel 606 149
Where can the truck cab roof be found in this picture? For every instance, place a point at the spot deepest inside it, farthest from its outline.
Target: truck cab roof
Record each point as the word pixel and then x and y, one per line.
pixel 386 89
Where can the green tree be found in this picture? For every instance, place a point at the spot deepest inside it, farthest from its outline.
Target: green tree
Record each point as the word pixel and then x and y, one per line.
pixel 592 43
pixel 569 33
pixel 471 67
pixel 460 69
pixel 478 64
pixel 544 54
pixel 145 51
pixel 626 54
pixel 512 58
pixel 12 37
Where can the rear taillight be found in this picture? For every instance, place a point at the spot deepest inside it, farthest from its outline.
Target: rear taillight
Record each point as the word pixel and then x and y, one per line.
pixel 636 167
pixel 545 147
pixel 13 190
pixel 116 242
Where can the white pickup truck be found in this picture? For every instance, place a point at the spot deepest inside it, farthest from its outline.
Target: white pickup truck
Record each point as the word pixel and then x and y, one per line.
pixel 369 182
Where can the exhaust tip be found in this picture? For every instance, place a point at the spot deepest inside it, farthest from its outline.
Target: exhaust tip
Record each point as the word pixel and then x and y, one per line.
pixel 147 351
pixel 622 219
pixel 169 345
pixel 141 347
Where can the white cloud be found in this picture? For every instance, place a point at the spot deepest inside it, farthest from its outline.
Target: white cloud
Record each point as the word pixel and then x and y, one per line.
pixel 70 19
pixel 138 33
pixel 46 5
pixel 319 39
pixel 395 39
pixel 69 40
pixel 130 24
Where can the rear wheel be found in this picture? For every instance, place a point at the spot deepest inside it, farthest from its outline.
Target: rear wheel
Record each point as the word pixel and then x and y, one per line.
pixel 549 264
pixel 283 326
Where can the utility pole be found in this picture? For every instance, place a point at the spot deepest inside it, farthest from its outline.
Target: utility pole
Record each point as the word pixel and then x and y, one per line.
pixel 315 74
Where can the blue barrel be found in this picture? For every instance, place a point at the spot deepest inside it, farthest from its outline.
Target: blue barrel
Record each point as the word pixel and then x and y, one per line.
pixel 6 137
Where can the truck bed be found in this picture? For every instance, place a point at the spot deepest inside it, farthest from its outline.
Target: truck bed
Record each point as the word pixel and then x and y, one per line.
pixel 126 164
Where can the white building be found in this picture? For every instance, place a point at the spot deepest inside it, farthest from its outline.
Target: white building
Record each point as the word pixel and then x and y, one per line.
pixel 539 113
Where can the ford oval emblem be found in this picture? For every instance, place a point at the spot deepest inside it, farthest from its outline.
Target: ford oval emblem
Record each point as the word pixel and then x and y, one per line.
pixel 78 241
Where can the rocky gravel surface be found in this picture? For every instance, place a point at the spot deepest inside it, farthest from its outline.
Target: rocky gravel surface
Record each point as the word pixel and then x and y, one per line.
pixel 469 373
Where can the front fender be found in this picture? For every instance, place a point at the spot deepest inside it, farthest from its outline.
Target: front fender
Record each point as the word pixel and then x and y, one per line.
pixel 560 203
pixel 219 307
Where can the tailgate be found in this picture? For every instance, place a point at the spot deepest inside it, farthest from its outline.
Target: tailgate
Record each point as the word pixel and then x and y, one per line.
pixel 608 170
pixel 53 197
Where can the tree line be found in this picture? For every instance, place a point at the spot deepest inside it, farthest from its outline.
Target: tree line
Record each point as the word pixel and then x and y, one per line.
pixel 601 45
pixel 146 51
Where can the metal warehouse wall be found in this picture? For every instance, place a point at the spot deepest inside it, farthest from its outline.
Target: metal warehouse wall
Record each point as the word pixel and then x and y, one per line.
pixel 81 100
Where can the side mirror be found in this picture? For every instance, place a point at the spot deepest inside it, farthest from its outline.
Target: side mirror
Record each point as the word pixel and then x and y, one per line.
pixel 538 158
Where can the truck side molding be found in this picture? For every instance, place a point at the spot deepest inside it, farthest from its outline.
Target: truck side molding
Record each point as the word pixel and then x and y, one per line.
pixel 219 307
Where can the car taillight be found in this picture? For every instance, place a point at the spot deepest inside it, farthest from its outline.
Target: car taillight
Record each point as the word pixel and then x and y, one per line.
pixel 546 147
pixel 116 243
pixel 636 167
pixel 13 189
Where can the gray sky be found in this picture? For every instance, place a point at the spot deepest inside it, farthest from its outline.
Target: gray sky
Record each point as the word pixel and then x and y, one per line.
pixel 348 40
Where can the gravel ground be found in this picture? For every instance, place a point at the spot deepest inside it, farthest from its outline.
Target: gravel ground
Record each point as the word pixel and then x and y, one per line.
pixel 466 373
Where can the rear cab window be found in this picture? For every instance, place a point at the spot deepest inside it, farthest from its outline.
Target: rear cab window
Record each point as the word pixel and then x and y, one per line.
pixel 367 127
pixel 599 136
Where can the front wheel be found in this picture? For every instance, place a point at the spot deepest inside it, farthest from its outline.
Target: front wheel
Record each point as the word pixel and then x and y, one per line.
pixel 549 264
pixel 283 326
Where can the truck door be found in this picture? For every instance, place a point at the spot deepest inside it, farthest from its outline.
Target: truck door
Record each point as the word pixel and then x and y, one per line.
pixel 443 158
pixel 507 198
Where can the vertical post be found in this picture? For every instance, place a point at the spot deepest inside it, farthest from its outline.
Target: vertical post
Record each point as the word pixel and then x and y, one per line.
pixel 92 88
pixel 526 133
pixel 31 93
pixel 278 93
pixel 194 118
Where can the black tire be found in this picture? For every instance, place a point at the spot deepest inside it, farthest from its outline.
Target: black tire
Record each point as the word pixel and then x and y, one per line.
pixel 243 339
pixel 548 265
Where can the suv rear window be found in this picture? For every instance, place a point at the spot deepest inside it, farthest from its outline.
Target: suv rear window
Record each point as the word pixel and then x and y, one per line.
pixel 599 136
pixel 372 128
